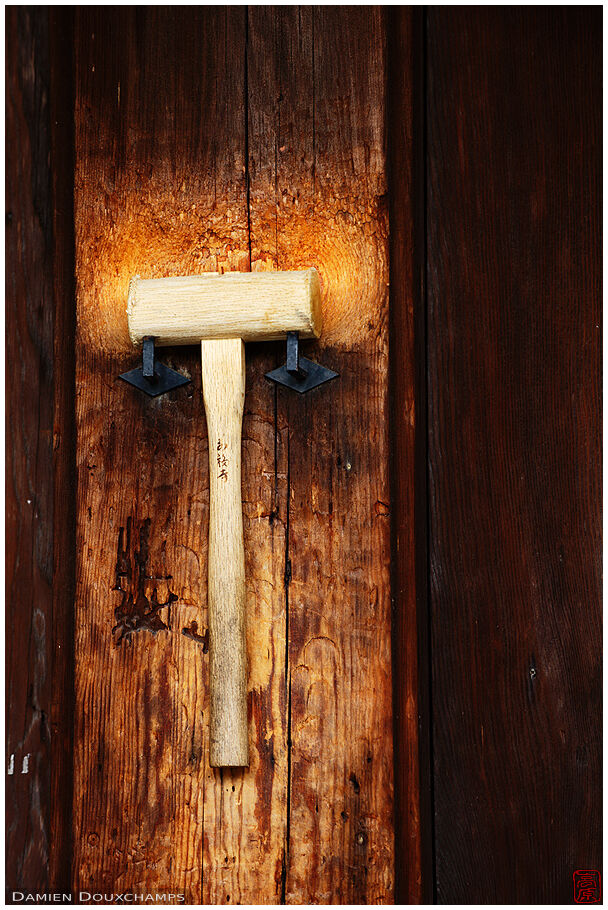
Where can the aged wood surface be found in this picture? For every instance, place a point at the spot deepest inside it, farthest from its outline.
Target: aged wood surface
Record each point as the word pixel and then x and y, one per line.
pixel 64 446
pixel 413 822
pixel 40 438
pixel 514 220
pixel 221 139
pixel 223 379
pixel 159 190
pixel 253 306
pixel 317 188
pixel 29 451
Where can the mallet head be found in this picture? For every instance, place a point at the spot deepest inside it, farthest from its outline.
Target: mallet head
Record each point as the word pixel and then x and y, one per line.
pixel 254 306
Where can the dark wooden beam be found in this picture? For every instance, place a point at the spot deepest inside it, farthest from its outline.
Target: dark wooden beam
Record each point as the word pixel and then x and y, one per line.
pixel 40 480
pixel 413 822
pixel 64 445
pixel 29 450
pixel 514 294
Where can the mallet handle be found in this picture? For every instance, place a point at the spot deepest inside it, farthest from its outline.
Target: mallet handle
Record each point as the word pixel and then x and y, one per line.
pixel 223 372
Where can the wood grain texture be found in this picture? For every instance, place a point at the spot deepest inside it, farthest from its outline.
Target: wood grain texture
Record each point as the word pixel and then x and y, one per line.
pixel 223 379
pixel 40 451
pixel 182 117
pixel 411 665
pixel 159 190
pixel 316 79
pixel 61 28
pixel 226 139
pixel 29 450
pixel 251 306
pixel 514 158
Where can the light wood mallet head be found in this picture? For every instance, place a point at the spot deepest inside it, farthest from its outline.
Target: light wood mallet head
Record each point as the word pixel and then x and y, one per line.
pixel 251 306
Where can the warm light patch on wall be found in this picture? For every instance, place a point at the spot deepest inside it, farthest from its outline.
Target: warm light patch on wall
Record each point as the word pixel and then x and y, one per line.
pixel 156 236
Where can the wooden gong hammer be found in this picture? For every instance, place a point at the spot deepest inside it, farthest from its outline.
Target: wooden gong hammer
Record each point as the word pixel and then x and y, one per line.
pixel 221 312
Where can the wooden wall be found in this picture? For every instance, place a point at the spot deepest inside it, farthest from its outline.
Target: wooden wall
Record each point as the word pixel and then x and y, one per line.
pixel 441 168
pixel 39 421
pixel 29 467
pixel 213 139
pixel 513 289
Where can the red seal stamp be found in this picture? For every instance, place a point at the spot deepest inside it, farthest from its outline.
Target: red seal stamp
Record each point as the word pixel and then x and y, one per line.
pixel 587 886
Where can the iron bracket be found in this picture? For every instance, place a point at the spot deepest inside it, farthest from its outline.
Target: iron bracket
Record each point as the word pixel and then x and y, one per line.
pixel 153 377
pixel 299 373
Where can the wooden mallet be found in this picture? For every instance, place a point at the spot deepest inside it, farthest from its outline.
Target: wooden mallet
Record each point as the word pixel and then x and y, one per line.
pixel 221 312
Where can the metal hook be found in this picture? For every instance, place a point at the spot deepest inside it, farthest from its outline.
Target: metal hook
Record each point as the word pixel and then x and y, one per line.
pixel 299 373
pixel 153 377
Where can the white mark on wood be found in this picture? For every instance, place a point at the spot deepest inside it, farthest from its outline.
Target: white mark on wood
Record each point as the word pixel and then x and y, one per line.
pixel 26 764
pixel 11 765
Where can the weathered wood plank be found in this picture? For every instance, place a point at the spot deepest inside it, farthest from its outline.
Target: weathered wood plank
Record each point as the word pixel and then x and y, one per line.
pixel 411 666
pixel 160 190
pixel 40 475
pixel 29 450
pixel 64 446
pixel 245 810
pixel 316 80
pixel 514 290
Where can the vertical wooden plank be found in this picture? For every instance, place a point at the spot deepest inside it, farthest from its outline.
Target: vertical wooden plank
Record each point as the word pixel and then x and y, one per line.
pixel 411 665
pixel 40 378
pixel 64 449
pixel 514 153
pixel 246 818
pixel 160 190
pixel 316 80
pixel 29 451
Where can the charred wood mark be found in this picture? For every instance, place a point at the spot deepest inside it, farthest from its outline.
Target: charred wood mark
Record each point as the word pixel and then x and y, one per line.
pixel 136 611
pixel 123 560
pixel 137 614
pixel 359 852
pixel 192 632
